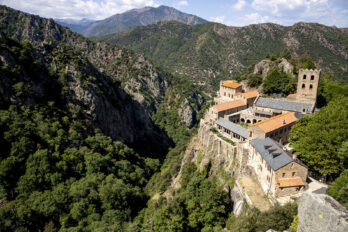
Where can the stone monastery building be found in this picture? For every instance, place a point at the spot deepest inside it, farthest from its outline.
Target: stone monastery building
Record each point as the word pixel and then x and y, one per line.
pixel 267 123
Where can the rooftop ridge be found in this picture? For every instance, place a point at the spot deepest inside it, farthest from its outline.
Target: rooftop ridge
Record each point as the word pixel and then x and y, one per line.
pixel 269 119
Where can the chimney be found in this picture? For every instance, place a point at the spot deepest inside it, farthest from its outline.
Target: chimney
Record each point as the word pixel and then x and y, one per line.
pixel 294 156
pixel 284 122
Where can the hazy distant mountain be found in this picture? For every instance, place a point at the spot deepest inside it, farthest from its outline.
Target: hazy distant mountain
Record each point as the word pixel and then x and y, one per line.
pixel 136 17
pixel 75 25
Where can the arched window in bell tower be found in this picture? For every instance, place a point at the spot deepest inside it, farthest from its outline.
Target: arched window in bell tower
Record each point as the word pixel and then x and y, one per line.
pixel 303 86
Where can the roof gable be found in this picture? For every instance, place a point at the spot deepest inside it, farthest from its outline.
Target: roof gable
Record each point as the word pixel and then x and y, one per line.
pixel 271 152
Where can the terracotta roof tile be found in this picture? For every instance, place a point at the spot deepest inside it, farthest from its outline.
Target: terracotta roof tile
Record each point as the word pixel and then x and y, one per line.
pixel 250 94
pixel 290 182
pixel 276 122
pixel 231 84
pixel 229 105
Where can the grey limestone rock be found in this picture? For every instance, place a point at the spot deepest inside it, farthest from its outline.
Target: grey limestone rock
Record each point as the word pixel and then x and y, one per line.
pixel 263 67
pixel 286 66
pixel 320 212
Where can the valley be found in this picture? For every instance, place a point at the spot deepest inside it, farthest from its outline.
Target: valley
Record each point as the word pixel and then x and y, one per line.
pixel 171 126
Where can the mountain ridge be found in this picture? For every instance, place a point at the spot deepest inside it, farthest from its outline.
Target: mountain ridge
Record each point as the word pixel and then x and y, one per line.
pixel 209 52
pixel 130 18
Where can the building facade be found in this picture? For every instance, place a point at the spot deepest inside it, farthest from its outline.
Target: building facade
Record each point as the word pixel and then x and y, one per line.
pixel 277 127
pixel 278 171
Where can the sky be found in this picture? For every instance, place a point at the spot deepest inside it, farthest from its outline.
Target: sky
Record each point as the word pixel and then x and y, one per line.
pixel 229 12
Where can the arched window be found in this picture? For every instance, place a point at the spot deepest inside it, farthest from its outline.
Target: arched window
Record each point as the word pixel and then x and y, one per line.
pixel 310 86
pixel 312 77
pixel 248 121
pixel 304 77
pixel 303 86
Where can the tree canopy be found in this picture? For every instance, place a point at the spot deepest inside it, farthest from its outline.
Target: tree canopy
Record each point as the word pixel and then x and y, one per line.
pixel 318 138
pixel 279 82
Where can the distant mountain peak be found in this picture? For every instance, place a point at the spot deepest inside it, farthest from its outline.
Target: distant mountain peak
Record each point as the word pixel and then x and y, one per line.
pixel 135 17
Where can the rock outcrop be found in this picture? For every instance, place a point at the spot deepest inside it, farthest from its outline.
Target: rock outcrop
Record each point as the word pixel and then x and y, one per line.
pixel 320 212
pixel 286 66
pixel 263 67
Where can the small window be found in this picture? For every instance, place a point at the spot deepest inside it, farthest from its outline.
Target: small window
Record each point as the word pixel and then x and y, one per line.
pixel 281 188
pixel 292 165
pixel 304 77
pixel 293 173
pixel 283 175
pixel 312 77
pixel 310 86
pixel 251 134
pixel 224 93
pixel 303 86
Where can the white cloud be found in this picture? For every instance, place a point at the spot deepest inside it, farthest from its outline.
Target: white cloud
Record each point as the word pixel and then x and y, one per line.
pixel 247 19
pixel 255 18
pixel 183 3
pixel 289 7
pixel 239 5
pixel 78 9
pixel 218 19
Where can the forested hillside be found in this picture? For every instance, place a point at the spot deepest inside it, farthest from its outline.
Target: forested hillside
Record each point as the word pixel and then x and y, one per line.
pixel 209 52
pixel 68 106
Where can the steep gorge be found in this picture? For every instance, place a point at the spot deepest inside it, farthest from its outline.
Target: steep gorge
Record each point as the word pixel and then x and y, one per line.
pixel 136 84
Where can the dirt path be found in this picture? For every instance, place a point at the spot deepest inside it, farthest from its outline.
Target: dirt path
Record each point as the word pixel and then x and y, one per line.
pixel 255 193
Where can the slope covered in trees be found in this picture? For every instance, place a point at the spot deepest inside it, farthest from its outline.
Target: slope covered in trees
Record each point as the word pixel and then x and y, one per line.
pixel 56 171
pixel 66 107
pixel 210 52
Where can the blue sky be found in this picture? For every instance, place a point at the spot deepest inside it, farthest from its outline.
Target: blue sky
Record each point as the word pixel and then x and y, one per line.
pixel 229 12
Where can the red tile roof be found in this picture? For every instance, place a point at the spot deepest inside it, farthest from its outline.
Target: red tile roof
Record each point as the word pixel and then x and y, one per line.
pixel 276 122
pixel 290 182
pixel 229 105
pixel 250 94
pixel 231 84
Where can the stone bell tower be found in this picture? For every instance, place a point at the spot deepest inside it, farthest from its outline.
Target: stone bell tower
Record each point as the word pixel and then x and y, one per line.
pixel 307 85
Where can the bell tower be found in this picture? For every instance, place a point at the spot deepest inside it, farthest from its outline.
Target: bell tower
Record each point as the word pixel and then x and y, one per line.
pixel 307 85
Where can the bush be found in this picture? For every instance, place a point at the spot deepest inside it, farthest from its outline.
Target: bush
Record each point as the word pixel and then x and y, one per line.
pixel 254 80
